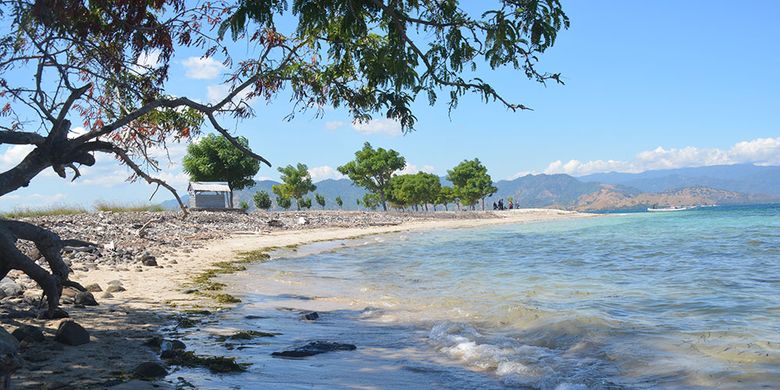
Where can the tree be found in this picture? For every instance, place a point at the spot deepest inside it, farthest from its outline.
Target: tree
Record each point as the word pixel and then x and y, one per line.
pixel 243 205
pixel 304 203
pixel 88 61
pixel 373 168
pixel 320 200
pixel 339 201
pixel 214 158
pixel 446 196
pixel 471 182
pixel 418 189
pixel 284 202
pixel 370 201
pixel 262 200
pixel 296 182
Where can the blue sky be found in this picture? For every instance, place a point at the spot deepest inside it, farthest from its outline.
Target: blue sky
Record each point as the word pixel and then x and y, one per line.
pixel 649 84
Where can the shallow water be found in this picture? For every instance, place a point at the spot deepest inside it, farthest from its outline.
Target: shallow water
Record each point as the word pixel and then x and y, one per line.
pixel 663 300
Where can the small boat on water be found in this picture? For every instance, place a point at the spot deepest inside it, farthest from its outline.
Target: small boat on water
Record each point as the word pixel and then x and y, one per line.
pixel 666 209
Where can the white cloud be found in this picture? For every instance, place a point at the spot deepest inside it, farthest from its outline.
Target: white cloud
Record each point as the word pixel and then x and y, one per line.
pixel 760 151
pixel 14 155
pixel 202 68
pixel 333 125
pixel 324 172
pixel 412 169
pixel 215 93
pixel 37 199
pixel 378 126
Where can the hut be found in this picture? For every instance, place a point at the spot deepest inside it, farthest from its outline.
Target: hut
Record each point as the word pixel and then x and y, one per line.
pixel 212 195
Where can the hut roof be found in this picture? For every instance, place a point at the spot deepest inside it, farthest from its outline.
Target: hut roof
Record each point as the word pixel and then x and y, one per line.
pixel 210 186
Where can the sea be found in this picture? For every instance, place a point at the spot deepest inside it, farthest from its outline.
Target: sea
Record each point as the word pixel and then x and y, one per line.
pixel 678 300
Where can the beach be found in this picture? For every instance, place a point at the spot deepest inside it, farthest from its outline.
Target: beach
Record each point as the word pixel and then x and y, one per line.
pixel 158 286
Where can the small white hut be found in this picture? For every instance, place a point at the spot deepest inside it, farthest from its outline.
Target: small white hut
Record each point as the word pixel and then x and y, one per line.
pixel 209 195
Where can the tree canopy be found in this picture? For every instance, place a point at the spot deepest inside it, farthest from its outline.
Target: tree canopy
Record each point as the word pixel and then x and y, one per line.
pixel 372 169
pixel 214 158
pixel 418 189
pixel 471 182
pixel 262 200
pixel 106 65
pixel 296 182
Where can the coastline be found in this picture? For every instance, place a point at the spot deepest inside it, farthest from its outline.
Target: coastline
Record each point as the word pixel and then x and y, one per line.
pixel 121 324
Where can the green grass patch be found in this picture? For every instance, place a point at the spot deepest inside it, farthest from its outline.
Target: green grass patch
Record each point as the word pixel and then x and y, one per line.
pixel 43 212
pixel 246 335
pixel 225 298
pixel 215 364
pixel 115 207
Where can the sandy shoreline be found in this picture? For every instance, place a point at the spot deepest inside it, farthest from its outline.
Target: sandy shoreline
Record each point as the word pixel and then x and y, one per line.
pixel 120 325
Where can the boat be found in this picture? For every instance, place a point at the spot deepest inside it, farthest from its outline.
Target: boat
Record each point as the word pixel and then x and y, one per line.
pixel 666 209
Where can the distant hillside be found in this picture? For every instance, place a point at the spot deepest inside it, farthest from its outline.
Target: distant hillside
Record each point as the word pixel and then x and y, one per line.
pixel 744 178
pixel 730 184
pixel 543 190
pixel 611 198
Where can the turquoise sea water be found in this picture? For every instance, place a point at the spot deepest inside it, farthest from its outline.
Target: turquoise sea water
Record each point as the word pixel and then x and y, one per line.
pixel 651 300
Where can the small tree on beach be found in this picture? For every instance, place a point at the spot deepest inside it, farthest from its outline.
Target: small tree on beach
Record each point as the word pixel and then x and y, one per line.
pixel 304 203
pixel 471 182
pixel 262 200
pixel 296 182
pixel 215 158
pixel 339 201
pixel 284 202
pixel 446 196
pixel 320 200
pixel 372 169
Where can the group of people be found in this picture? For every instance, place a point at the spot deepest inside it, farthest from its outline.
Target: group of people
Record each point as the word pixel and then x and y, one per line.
pixel 500 205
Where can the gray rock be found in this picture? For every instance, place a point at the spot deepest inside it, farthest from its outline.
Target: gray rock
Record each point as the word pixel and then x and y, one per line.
pixel 85 298
pixel 28 333
pixel 150 370
pixel 10 288
pixel 106 295
pixel 314 348
pixel 310 316
pixel 58 313
pixel 94 287
pixel 114 288
pixel 149 261
pixel 9 359
pixel 115 283
pixel 71 333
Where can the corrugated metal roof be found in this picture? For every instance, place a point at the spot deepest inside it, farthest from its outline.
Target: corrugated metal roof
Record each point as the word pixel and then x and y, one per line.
pixel 216 186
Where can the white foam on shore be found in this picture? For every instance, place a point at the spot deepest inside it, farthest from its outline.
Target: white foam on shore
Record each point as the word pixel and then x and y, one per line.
pixel 515 364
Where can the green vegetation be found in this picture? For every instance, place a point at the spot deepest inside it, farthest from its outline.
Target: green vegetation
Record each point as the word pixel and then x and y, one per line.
pixel 43 212
pixel 215 158
pixel 262 200
pixel 215 364
pixel 126 208
pixel 373 169
pixel 417 190
pixel 246 335
pixel 243 205
pixel 320 200
pixel 296 182
pixel 225 298
pixel 284 202
pixel 471 182
pixel 339 201
pixel 446 196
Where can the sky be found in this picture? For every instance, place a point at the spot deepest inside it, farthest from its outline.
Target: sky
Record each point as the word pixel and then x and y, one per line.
pixel 649 85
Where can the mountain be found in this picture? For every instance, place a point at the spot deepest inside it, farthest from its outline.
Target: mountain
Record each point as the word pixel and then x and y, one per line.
pixel 611 198
pixel 744 178
pixel 727 184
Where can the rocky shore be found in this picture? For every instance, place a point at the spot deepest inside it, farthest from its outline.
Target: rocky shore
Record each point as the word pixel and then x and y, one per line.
pixel 139 278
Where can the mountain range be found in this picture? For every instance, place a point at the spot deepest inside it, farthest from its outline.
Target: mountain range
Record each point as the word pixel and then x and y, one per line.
pixel 726 184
